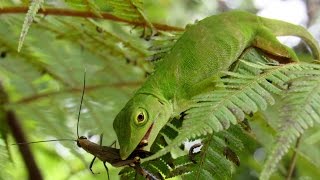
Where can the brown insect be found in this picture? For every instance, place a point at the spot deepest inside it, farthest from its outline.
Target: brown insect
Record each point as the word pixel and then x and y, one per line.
pixel 105 153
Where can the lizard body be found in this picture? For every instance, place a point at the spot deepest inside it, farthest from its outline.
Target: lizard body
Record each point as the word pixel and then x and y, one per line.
pixel 205 49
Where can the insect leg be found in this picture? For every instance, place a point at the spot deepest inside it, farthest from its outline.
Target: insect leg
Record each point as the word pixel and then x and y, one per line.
pixel 101 137
pixel 114 143
pixel 104 163
pixel 91 164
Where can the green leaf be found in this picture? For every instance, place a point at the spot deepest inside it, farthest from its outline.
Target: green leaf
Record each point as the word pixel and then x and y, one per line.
pixel 239 94
pixel 212 161
pixel 93 7
pixel 300 111
pixel 33 9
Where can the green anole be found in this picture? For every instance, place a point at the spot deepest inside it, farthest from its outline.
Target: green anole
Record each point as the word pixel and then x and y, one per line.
pixel 195 61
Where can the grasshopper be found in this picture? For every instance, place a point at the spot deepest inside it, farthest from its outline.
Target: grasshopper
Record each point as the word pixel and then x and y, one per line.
pixel 105 153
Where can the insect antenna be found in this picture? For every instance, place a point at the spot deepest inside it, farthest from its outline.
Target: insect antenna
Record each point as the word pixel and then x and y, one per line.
pixel 51 140
pixel 83 89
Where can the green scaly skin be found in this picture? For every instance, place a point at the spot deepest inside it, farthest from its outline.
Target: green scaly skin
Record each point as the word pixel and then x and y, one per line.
pixel 203 51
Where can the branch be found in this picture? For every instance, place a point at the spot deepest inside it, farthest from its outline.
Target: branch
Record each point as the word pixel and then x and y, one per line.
pixel 17 132
pixel 86 14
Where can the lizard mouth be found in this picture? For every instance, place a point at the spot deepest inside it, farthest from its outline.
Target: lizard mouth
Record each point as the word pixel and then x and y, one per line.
pixel 144 140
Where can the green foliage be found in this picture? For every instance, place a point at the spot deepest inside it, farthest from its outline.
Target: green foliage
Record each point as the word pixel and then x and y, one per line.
pixel 300 111
pixel 44 80
pixel 237 95
pixel 93 7
pixel 213 161
pixel 33 9
pixel 245 91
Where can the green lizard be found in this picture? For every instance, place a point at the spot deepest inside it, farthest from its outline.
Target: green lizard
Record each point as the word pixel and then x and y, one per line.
pixel 205 49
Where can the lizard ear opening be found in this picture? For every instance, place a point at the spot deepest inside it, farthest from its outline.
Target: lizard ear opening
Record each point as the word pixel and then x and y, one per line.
pixel 140 117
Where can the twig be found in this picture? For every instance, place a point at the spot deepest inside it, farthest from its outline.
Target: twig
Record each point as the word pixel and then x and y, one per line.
pixel 17 132
pixel 86 14
pixel 293 160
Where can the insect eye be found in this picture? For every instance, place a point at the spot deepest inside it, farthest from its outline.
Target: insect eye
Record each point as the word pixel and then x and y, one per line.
pixel 140 118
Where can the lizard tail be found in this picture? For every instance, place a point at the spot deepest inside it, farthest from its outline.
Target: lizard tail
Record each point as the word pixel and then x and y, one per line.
pixel 281 28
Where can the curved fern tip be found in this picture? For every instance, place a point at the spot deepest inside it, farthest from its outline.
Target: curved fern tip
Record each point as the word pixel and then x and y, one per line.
pixel 33 9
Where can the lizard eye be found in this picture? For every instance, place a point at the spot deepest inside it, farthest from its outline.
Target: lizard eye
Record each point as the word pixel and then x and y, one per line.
pixel 141 117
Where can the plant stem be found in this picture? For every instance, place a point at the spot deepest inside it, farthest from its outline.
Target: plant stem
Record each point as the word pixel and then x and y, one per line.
pixel 293 160
pixel 85 14
pixel 17 132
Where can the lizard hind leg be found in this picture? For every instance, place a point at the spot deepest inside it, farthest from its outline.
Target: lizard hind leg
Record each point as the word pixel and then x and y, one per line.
pixel 267 42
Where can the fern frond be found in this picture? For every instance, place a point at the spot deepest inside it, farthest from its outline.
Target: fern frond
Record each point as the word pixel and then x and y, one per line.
pixel 93 7
pixel 181 166
pixel 128 9
pixel 240 94
pixel 300 111
pixel 106 44
pixel 33 9
pixel 29 60
pixel 5 159
pixel 212 161
pixel 161 45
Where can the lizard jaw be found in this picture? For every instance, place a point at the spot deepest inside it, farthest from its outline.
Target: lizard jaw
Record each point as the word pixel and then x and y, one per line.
pixel 144 141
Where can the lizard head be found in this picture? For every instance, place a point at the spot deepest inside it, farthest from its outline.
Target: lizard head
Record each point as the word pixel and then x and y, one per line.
pixel 139 122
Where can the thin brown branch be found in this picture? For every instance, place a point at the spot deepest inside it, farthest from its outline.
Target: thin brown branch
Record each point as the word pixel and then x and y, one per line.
pixel 17 132
pixel 293 160
pixel 86 14
pixel 75 90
